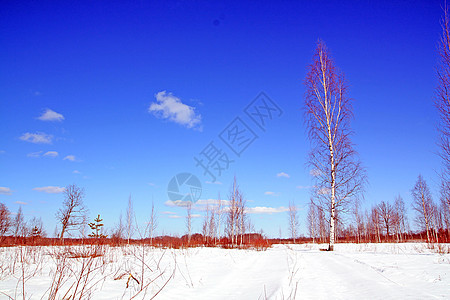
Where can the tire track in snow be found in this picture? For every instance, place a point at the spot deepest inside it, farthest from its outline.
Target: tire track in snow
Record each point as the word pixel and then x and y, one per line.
pixel 343 277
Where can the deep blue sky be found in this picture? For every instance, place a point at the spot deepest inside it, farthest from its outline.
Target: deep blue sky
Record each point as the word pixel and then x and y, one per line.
pixel 100 65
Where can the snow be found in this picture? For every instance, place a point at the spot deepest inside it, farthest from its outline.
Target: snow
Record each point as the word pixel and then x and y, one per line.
pixel 352 271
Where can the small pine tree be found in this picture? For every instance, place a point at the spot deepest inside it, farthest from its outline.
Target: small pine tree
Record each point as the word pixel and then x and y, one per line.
pixel 96 226
pixel 36 232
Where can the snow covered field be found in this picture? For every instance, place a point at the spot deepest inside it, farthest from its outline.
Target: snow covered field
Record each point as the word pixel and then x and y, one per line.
pixel 363 271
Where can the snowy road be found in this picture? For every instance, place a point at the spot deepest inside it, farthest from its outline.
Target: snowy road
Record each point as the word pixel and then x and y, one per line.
pixel 341 276
pixel 351 272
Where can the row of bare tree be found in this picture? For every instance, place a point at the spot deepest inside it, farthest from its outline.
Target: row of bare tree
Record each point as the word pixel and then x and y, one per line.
pixel 18 227
pixel 387 221
pixel 220 219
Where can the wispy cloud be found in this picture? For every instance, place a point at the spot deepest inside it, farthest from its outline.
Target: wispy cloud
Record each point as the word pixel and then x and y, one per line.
pixel 21 202
pixel 50 115
pixel 169 213
pixel 76 172
pixel 265 210
pixel 303 187
pixel 179 203
pixel 174 217
pixel 50 189
pixel 2 151
pixel 282 174
pixel 271 193
pixel 151 184
pixel 51 154
pixel 37 138
pixel 5 190
pixel 34 154
pixel 215 182
pixel 170 107
pixel 212 202
pixel 70 157
pixel 200 204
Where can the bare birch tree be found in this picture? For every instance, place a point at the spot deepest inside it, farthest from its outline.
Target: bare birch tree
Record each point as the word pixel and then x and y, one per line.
pixel 401 221
pixel 206 224
pixel 219 213
pixel 130 217
pixel 423 205
pixel 293 220
pixel 242 217
pixel 375 224
pixel 387 216
pixel 312 220
pixel 446 218
pixel 358 219
pixel 189 220
pixel 328 110
pixel 18 224
pixel 152 223
pixel 5 221
pixel 212 224
pixel 233 213
pixel 442 103
pixel 73 213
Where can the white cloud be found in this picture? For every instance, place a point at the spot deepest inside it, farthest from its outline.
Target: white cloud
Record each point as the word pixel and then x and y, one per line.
pixel 5 190
pixel 2 151
pixel 151 184
pixel 270 193
pixel 303 187
pixel 174 217
pixel 70 157
pixel 37 138
pixel 76 172
pixel 167 106
pixel 169 212
pixel 265 210
pixel 34 154
pixel 282 174
pixel 50 115
pixel 21 202
pixel 51 153
pixel 199 205
pixel 50 189
pixel 212 202
pixel 179 203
